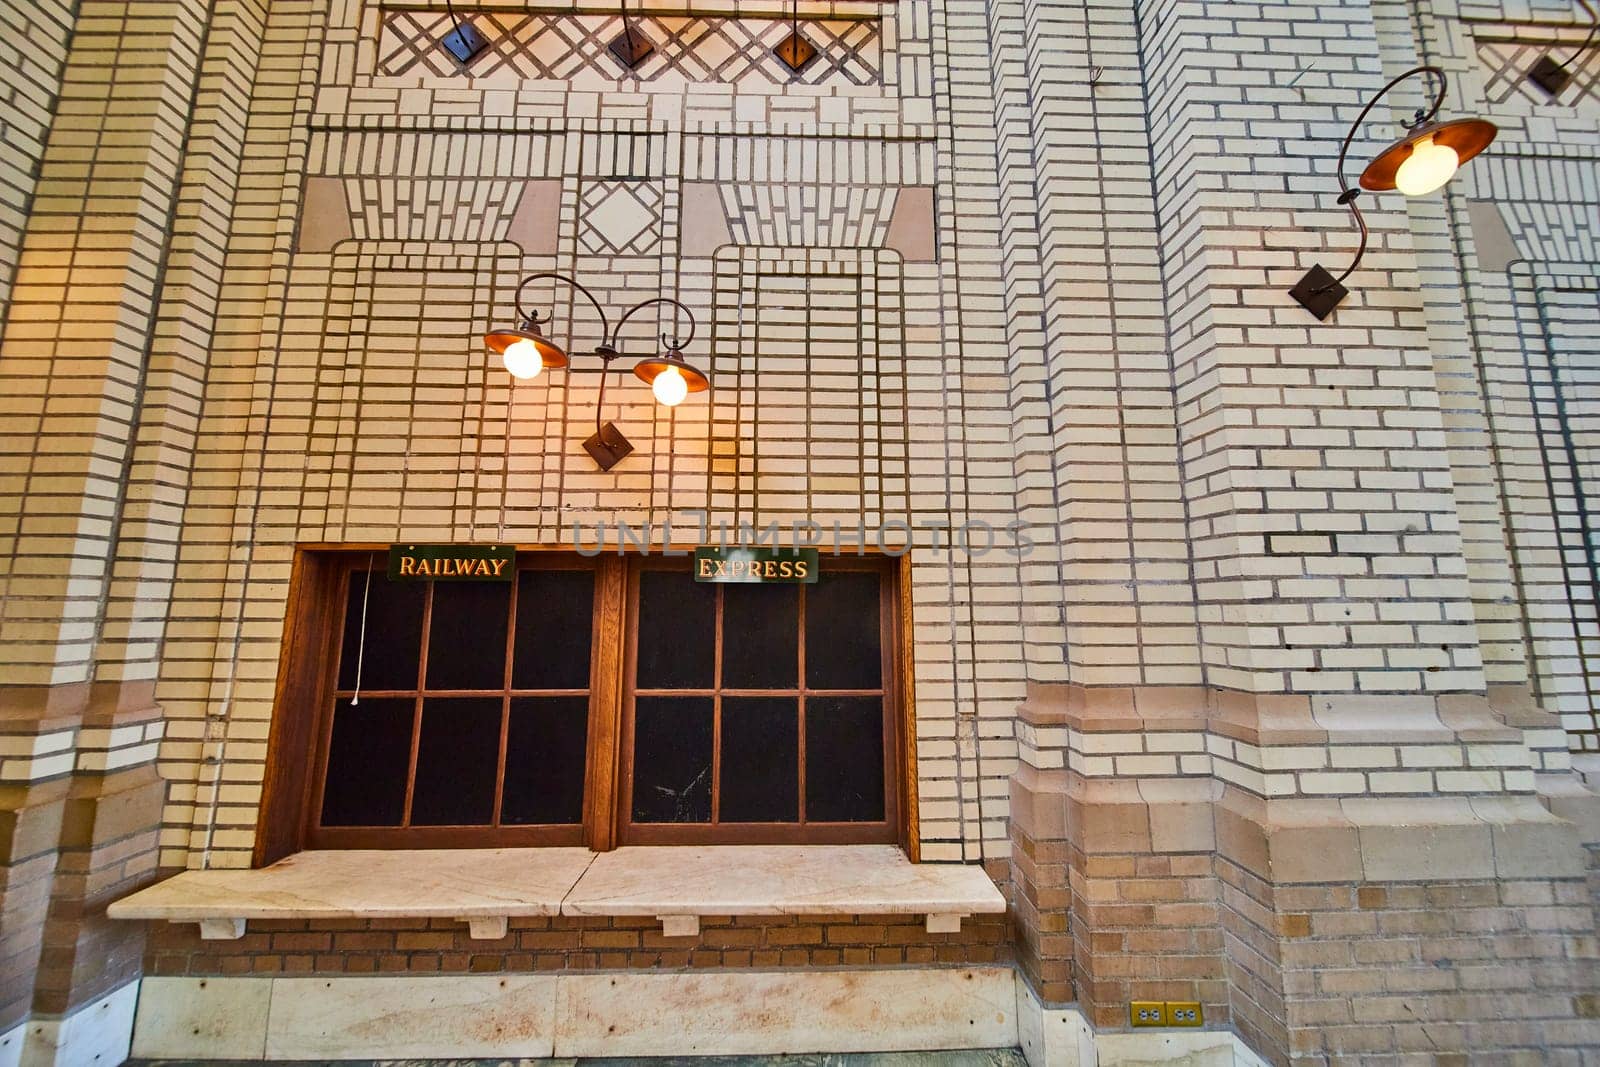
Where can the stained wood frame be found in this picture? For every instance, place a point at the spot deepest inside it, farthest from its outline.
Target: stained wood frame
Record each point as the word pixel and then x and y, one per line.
pixel 298 742
pixel 805 832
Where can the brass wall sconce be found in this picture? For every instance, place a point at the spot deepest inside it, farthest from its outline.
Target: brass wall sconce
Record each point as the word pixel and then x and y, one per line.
pixel 1418 163
pixel 526 351
pixel 464 42
pixel 630 47
pixel 1553 77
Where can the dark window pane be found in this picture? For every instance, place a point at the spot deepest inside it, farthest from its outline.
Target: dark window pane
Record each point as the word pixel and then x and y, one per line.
pixel 672 759
pixel 677 631
pixel 760 636
pixel 394 632
pixel 456 762
pixel 842 632
pixel 467 636
pixel 760 759
pixel 844 759
pixel 367 762
pixel 555 618
pixel 546 747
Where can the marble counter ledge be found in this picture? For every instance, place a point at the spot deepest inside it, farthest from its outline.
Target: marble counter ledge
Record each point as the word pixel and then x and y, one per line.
pixel 481 887
pixel 679 883
pixel 484 888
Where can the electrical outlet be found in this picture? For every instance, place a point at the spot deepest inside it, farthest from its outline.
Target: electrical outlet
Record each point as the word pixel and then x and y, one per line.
pixel 1147 1013
pixel 1184 1013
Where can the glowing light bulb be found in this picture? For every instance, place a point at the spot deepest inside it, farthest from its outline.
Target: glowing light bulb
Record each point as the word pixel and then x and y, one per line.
pixel 670 387
pixel 522 359
pixel 1427 168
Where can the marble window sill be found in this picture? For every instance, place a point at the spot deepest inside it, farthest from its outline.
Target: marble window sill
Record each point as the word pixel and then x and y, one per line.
pixel 485 888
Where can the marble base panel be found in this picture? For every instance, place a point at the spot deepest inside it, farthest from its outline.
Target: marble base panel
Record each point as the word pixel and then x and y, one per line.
pixel 405 1017
pixel 625 1014
pixel 769 1013
pixel 11 1045
pixel 97 1034
pixel 203 1018
pixel 750 1013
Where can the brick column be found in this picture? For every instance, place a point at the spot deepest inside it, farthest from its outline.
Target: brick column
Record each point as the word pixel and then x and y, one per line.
pixel 1375 814
pixel 1316 842
pixel 77 332
pixel 34 46
pixel 81 798
pixel 111 814
pixel 30 827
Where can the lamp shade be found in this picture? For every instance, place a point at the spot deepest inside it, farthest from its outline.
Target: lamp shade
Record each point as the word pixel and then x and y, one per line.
pixel 1424 153
pixel 670 368
pixel 525 351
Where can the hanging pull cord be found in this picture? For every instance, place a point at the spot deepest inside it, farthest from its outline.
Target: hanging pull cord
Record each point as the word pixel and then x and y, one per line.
pixel 361 644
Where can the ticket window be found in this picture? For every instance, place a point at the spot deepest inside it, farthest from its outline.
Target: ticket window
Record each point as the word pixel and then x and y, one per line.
pixel 460 711
pixel 586 702
pixel 759 713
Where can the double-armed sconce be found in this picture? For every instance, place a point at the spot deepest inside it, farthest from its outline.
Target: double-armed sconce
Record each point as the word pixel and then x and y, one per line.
pixel 1417 164
pixel 527 351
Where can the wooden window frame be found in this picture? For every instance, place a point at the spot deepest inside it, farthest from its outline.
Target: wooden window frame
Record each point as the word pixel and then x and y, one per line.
pixel 297 744
pixel 885 831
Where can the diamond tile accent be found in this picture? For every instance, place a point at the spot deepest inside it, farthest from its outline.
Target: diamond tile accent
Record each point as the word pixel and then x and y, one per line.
pixel 572 47
pixel 620 217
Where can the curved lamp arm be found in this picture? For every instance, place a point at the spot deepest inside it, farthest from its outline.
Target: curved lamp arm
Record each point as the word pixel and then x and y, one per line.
pixel 558 276
pixel 673 343
pixel 1594 30
pixel 613 347
pixel 1347 195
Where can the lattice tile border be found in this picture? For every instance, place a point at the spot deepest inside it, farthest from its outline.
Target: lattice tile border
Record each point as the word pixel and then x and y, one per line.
pixel 1507 53
pixel 559 47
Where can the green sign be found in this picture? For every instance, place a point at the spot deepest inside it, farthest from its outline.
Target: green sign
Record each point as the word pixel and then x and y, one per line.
pixel 756 566
pixel 452 563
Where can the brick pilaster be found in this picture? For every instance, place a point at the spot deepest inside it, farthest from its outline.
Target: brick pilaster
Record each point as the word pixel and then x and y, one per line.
pixel 107 849
pixel 30 827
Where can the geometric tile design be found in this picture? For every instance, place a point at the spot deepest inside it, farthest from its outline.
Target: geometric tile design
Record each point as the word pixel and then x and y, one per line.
pixel 1506 59
pixel 794 214
pixel 562 47
pixel 620 217
pixel 826 435
pixel 405 209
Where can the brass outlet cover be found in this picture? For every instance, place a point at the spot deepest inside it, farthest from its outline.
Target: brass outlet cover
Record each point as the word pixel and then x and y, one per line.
pixel 1147 1013
pixel 1184 1013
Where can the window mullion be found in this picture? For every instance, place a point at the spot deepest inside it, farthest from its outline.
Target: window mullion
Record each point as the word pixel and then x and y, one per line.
pixel 800 705
pixel 716 715
pixel 603 786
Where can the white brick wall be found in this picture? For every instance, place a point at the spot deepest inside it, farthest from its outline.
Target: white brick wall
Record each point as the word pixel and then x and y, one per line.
pixel 1221 491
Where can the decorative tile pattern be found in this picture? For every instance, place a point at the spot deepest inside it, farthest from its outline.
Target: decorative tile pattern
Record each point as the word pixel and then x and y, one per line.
pixel 561 47
pixel 1507 53
pixel 620 217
